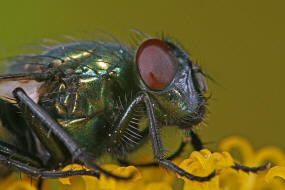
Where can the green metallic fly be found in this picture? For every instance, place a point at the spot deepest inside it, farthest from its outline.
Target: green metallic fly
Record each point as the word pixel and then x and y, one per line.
pixel 76 101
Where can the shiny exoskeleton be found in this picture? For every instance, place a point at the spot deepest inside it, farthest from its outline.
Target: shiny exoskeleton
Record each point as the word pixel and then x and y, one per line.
pixel 79 100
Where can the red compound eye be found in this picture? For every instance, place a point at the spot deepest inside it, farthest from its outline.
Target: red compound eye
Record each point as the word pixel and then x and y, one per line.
pixel 156 63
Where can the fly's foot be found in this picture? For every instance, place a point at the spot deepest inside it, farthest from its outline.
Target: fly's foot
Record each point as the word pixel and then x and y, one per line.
pixel 252 169
pixel 168 164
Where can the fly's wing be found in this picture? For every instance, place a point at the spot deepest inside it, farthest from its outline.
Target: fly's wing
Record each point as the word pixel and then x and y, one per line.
pixel 24 64
pixel 7 86
pixel 22 72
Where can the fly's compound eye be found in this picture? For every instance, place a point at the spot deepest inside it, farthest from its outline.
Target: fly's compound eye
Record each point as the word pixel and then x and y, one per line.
pixel 156 63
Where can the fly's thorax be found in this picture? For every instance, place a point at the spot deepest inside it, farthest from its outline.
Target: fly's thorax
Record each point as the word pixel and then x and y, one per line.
pixel 83 99
pixel 91 72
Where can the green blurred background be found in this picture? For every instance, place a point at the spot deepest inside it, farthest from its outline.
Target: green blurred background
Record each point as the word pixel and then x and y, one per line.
pixel 239 43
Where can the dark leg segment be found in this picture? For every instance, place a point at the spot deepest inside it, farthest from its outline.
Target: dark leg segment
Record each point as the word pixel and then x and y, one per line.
pixel 157 145
pixel 11 152
pixel 27 104
pixel 196 141
pixel 40 184
pixel 251 169
pixel 198 145
pixel 35 172
pixel 16 159
pixel 152 164
pixel 168 164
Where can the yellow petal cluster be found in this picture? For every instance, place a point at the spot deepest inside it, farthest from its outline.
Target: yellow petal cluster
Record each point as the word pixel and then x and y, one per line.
pixel 203 163
pixel 200 163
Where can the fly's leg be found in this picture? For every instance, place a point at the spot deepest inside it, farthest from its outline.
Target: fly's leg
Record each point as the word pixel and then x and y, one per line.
pixel 155 164
pixel 198 145
pixel 196 141
pixel 157 145
pixel 36 172
pixel 237 166
pixel 158 149
pixel 124 162
pixel 27 104
pixel 40 184
pixel 10 152
pixel 18 160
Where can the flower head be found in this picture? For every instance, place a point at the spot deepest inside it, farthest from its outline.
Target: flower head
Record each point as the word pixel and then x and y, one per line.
pixel 200 163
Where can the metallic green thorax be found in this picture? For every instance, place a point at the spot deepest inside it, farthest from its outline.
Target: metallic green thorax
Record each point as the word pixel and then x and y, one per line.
pixel 98 80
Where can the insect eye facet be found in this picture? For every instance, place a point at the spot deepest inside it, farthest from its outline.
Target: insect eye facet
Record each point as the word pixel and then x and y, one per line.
pixel 156 63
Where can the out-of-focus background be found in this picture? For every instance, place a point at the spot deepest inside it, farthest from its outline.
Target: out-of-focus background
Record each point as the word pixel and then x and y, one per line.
pixel 239 43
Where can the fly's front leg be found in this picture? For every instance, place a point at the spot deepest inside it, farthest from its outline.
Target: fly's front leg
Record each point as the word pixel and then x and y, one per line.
pixel 125 162
pixel 158 149
pixel 155 164
pixel 198 145
pixel 27 104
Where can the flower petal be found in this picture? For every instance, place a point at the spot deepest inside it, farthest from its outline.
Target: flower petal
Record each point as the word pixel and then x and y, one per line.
pixel 158 186
pixel 22 185
pixel 241 144
pixel 113 184
pixel 273 154
pixel 277 171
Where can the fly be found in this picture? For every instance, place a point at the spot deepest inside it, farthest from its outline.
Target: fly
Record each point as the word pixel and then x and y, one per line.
pixel 88 98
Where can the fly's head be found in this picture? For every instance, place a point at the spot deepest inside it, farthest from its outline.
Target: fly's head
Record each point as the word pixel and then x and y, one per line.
pixel 174 84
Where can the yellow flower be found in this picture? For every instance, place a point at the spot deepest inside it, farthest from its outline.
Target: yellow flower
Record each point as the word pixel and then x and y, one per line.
pixel 200 163
pixel 148 178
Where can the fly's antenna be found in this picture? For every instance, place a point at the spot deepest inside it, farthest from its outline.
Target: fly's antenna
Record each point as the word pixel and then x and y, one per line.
pixel 139 32
pixel 207 75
